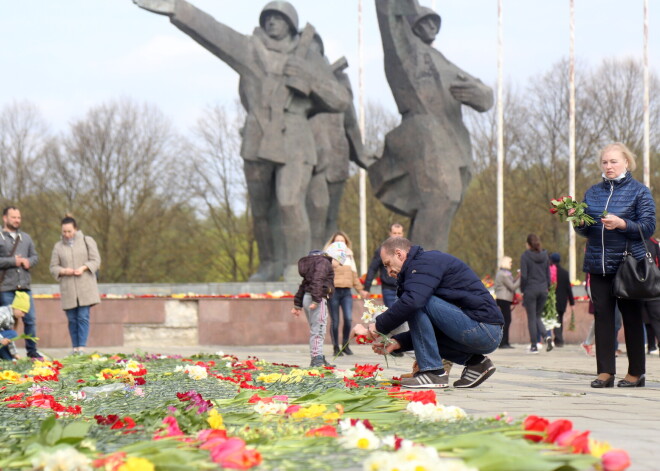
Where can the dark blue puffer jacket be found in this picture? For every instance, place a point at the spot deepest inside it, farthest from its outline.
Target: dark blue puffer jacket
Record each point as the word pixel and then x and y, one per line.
pixel 632 202
pixel 434 273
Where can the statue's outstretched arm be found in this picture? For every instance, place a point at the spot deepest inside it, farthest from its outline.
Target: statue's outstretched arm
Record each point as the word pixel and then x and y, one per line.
pixel 229 45
pixel 161 7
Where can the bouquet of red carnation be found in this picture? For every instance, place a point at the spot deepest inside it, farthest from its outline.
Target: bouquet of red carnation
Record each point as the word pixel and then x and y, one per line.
pixel 571 210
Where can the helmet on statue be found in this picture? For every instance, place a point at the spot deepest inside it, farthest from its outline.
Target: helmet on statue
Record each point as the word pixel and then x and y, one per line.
pixel 283 8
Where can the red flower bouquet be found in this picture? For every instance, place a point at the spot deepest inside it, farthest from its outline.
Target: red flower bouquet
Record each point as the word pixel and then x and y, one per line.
pixel 571 210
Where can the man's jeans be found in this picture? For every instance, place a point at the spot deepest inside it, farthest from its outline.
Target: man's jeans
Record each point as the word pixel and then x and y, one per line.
pixel 78 325
pixel 29 320
pixel 441 330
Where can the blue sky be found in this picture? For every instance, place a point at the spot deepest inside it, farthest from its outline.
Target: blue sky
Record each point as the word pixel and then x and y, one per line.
pixel 66 56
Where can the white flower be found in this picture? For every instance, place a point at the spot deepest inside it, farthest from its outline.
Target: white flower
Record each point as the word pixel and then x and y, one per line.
pixel 197 372
pixel 78 396
pixel 436 413
pixel 344 373
pixel 411 457
pixel 357 436
pixel 220 353
pixel 372 311
pixel 63 459
pixel 270 408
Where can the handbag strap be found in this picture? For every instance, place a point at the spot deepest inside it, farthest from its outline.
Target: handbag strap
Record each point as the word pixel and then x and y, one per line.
pixel 646 247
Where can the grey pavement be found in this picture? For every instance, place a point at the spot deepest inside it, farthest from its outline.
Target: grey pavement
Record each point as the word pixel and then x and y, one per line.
pixel 550 384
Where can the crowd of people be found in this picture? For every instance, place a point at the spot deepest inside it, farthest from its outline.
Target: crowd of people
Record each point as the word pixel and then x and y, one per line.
pixel 437 307
pixel 445 313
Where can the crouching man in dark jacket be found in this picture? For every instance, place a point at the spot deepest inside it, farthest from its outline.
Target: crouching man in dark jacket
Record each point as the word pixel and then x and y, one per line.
pixel 450 312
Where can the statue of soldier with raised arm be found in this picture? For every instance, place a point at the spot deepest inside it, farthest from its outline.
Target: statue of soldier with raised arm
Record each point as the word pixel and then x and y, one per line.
pixel 425 168
pixel 282 83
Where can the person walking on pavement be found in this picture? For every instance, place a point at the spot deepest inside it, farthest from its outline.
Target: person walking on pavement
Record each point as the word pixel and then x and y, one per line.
pixel 346 277
pixel 534 283
pixel 505 290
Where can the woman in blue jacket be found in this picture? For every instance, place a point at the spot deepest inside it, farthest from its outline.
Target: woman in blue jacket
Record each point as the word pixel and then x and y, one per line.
pixel 621 207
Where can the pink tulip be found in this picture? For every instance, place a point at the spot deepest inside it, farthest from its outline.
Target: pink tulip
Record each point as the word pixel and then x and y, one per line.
pixel 232 454
pixel 574 439
pixel 615 460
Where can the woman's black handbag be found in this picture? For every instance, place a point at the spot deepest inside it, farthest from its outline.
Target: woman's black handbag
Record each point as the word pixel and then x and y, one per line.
pixel 637 279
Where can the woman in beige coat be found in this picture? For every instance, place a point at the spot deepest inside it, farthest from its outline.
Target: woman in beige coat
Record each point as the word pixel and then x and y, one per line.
pixel 74 263
pixel 345 277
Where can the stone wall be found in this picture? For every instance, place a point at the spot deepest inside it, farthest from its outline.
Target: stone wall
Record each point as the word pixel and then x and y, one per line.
pixel 157 322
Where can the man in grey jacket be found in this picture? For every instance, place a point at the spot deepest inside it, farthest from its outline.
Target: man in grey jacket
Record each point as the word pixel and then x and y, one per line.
pixel 17 256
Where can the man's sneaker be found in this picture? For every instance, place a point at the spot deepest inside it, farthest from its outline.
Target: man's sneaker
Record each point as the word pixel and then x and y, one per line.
pixel 474 375
pixel 426 380
pixel 653 352
pixel 533 349
pixel 319 360
pixel 549 344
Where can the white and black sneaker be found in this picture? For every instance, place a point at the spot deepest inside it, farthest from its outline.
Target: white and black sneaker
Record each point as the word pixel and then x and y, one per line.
pixel 474 375
pixel 426 380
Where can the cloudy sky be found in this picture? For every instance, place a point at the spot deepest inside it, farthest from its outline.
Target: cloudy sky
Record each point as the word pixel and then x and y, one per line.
pixel 66 56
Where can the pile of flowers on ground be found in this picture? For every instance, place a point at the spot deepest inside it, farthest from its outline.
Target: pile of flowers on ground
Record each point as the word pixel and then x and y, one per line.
pixel 156 412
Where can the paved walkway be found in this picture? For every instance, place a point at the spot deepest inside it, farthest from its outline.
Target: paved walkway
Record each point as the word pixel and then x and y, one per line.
pixel 553 385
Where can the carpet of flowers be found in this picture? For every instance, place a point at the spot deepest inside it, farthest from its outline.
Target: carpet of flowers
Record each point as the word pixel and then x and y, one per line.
pixel 155 412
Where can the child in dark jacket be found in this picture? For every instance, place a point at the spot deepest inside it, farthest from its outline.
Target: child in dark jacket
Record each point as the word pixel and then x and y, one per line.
pixel 317 285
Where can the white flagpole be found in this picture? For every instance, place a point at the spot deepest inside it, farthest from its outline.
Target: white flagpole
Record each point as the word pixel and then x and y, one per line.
pixel 500 137
pixel 571 141
pixel 647 128
pixel 362 174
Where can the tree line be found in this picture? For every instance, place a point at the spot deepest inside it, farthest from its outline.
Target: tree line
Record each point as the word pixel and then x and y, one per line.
pixel 171 207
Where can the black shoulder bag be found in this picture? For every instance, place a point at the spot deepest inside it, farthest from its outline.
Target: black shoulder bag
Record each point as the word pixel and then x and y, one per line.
pixel 637 279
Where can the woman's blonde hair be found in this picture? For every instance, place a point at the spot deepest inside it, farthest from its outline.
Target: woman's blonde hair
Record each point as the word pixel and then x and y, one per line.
pixel 344 235
pixel 621 147
pixel 505 260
